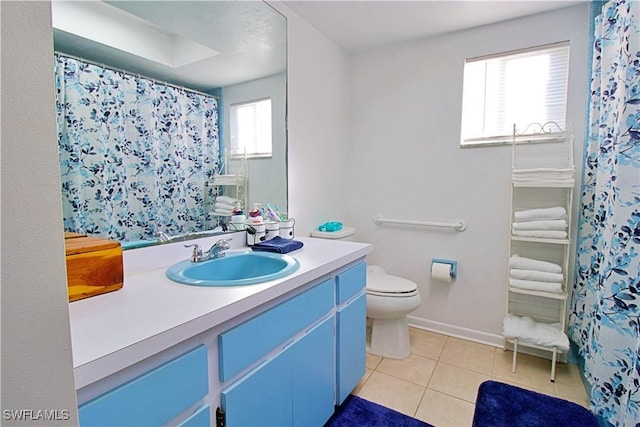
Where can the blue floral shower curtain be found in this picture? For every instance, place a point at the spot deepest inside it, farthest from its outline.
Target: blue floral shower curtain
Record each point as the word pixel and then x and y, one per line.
pixel 605 305
pixel 135 155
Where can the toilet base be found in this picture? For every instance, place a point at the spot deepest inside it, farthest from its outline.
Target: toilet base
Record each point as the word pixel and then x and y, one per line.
pixel 390 338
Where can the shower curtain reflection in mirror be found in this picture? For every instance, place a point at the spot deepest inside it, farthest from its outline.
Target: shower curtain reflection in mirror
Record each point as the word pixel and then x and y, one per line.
pixel 135 154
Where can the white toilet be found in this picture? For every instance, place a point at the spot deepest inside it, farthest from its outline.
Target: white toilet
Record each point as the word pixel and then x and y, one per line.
pixel 389 300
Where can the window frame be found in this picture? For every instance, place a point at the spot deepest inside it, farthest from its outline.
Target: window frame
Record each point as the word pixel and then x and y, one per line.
pixel 506 139
pixel 235 154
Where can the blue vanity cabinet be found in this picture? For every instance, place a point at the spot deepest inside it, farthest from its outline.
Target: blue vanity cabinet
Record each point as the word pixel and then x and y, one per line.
pixel 154 398
pixel 293 345
pixel 313 371
pixel 294 388
pixel 351 326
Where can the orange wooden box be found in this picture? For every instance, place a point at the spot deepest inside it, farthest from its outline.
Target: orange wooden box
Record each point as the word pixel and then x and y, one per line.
pixel 94 266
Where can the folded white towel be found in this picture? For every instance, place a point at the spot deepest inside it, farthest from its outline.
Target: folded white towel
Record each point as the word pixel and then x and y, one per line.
pixel 555 224
pixel 223 212
pixel 523 263
pixel 542 234
pixel 533 285
pixel 544 171
pixel 541 276
pixel 226 199
pixel 546 180
pixel 526 329
pixel 226 206
pixel 557 212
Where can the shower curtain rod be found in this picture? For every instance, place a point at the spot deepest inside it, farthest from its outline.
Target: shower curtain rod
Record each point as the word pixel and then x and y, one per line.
pixel 120 70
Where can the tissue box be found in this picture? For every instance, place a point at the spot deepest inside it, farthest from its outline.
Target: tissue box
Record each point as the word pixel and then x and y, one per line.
pixel 94 265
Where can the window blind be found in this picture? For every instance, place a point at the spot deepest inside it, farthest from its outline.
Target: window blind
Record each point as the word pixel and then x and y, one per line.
pixel 518 88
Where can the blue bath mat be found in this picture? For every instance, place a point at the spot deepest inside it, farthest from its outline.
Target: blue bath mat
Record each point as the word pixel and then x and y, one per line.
pixel 503 405
pixel 359 412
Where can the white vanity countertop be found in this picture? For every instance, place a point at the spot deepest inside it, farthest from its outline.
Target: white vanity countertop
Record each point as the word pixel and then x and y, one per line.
pixel 152 313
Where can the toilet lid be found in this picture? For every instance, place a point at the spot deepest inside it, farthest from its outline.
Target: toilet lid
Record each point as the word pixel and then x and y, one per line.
pixel 389 284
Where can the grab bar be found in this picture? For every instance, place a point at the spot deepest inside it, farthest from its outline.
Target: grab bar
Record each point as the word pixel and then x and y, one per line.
pixel 459 225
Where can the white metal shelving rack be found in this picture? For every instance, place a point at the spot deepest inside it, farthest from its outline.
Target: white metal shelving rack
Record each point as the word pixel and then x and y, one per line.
pixel 543 149
pixel 234 179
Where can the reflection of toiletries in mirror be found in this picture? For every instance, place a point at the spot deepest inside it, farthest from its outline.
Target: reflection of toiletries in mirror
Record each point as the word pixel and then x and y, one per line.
pixel 255 215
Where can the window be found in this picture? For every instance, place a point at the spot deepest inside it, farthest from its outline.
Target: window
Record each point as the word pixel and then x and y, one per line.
pixel 518 88
pixel 250 131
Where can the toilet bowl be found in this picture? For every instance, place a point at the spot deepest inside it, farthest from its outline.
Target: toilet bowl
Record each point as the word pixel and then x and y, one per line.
pixel 389 300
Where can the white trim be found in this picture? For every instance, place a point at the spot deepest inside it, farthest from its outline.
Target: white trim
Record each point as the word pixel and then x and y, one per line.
pixel 477 336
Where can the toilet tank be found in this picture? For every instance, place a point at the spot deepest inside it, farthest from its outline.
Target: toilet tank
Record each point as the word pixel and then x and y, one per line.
pixel 345 234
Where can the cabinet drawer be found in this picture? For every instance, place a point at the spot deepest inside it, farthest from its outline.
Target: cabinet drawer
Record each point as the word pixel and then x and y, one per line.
pixel 153 398
pixel 248 342
pixel 350 282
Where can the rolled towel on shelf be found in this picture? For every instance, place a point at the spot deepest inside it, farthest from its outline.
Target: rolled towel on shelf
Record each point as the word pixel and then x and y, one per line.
pixel 554 224
pixel 523 263
pixel 534 285
pixel 526 329
pixel 557 212
pixel 226 199
pixel 225 206
pixel 541 276
pixel 541 234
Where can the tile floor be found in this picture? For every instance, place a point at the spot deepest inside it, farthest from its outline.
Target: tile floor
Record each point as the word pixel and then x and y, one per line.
pixel 438 382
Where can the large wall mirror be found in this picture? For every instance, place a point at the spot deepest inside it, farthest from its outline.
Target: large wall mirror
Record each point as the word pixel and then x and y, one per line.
pixel 170 115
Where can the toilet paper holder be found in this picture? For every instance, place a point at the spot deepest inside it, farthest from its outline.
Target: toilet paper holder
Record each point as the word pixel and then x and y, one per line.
pixel 453 264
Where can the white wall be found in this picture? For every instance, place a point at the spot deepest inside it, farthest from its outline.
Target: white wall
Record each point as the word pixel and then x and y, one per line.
pixel 318 125
pixel 267 176
pixel 36 345
pixel 405 162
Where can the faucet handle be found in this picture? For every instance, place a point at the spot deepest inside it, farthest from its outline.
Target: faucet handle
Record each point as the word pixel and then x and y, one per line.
pixel 197 252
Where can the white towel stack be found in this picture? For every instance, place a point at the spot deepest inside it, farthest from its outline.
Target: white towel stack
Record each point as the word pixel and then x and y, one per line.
pixel 545 223
pixel 224 205
pixel 544 176
pixel 535 275
pixel 526 329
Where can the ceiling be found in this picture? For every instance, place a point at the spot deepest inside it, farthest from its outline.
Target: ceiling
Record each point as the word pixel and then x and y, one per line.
pixel 358 26
pixel 235 41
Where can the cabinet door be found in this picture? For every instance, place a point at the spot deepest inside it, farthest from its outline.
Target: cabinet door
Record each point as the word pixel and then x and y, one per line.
pixel 263 396
pixel 154 398
pixel 313 375
pixel 351 346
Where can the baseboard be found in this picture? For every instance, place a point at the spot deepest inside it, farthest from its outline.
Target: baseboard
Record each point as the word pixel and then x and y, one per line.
pixel 477 336
pixel 456 331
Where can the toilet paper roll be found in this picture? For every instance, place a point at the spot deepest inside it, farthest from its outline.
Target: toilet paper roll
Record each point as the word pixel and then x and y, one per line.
pixel 441 272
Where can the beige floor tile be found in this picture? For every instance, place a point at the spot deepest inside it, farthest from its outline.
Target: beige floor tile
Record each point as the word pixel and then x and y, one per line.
pixel 531 372
pixel 361 383
pixel 568 382
pixel 443 410
pixel 414 368
pixel 426 344
pixel 469 355
pixel 392 392
pixel 372 361
pixel 457 382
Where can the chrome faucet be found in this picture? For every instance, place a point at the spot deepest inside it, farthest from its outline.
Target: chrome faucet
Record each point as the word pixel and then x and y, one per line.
pixel 215 251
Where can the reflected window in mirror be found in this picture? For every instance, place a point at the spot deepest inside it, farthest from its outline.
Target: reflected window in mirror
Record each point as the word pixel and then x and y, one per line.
pixel 250 132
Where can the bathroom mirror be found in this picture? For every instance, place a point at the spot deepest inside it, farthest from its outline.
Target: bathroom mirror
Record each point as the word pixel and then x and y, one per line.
pixel 234 50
